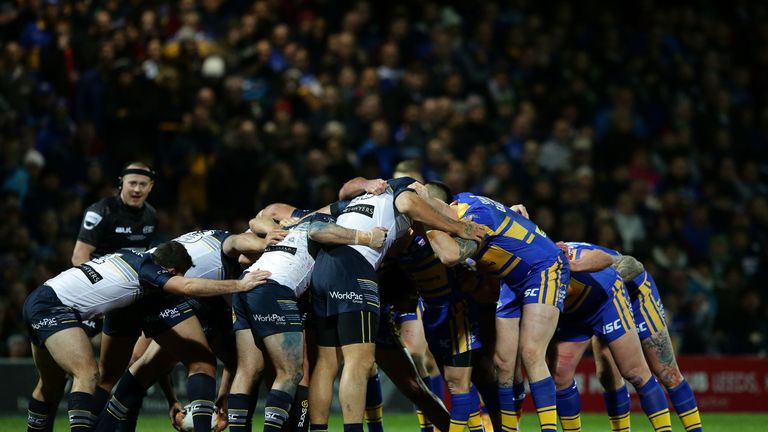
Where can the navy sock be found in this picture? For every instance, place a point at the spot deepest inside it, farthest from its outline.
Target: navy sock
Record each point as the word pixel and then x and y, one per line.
pixel 238 405
pixel 276 410
pixel 100 399
pixel 201 390
pixel 353 427
pixel 39 416
pixel 300 410
pixel 128 393
pixel 320 427
pixel 80 410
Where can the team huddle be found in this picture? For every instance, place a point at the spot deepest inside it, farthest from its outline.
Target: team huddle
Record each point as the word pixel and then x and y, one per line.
pixel 437 290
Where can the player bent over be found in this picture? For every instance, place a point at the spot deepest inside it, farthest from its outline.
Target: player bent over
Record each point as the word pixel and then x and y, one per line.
pixel 598 304
pixel 54 313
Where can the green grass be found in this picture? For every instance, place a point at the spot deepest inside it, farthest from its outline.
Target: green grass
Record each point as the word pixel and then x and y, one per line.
pixel 713 422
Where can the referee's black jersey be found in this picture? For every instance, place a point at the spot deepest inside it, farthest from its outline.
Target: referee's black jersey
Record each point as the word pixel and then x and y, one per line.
pixel 110 225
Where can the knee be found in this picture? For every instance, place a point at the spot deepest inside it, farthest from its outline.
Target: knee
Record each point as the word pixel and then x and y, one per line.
pixel 203 367
pixel 457 385
pixel 533 353
pixel 671 377
pixel 636 375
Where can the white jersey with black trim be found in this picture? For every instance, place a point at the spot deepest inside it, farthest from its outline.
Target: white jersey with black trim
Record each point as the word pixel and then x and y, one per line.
pixel 369 211
pixel 289 261
pixel 204 247
pixel 102 284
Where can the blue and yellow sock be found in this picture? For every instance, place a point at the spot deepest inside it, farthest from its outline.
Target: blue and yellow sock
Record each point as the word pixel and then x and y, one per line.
pixel 238 417
pixel 617 406
pixel 276 410
pixel 544 399
pixel 569 408
pixel 507 408
pixel 39 418
pixel 685 404
pixel 437 385
pixel 300 410
pixel 79 408
pixel 373 405
pixel 424 424
pixel 475 420
pixel 461 404
pixel 201 389
pixel 519 389
pixel 654 403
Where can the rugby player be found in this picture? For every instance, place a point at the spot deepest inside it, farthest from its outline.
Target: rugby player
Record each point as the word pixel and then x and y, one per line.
pixel 345 293
pixel 268 321
pixel 597 304
pixel 648 314
pixel 54 313
pixel 535 273
pixel 214 256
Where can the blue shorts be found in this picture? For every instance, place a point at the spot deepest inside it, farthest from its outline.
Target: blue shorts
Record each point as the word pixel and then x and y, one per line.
pixel 612 321
pixel 647 309
pixel 154 314
pixel 451 329
pixel 45 315
pixel 266 310
pixel 214 314
pixel 343 281
pixel 546 284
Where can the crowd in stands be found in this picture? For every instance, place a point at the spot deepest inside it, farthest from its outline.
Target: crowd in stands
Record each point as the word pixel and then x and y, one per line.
pixel 641 126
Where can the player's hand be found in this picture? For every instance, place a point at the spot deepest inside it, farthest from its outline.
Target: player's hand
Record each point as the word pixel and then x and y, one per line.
pixel 375 186
pixel 565 249
pixel 275 236
pixel 472 231
pixel 521 210
pixel 253 279
pixel 175 408
pixel 289 221
pixel 375 237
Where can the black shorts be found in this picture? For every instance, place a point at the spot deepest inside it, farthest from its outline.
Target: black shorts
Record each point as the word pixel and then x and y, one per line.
pixel 347 329
pixel 214 313
pixel 343 281
pixel 387 336
pixel 153 315
pixel 44 315
pixel 266 310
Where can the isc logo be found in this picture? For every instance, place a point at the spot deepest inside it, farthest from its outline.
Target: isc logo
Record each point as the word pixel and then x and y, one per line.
pixel 532 292
pixel 611 327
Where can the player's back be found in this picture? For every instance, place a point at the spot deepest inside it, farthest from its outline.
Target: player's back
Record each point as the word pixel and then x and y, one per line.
pixel 514 245
pixel 205 249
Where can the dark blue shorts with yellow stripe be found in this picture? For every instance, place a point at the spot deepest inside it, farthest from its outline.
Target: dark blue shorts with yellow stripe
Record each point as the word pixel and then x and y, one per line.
pixel 546 284
pixel 451 329
pixel 647 308
pixel 609 321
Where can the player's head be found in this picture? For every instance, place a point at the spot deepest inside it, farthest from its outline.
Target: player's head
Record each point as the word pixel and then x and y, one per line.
pixel 439 191
pixel 136 181
pixel 172 256
pixel 408 168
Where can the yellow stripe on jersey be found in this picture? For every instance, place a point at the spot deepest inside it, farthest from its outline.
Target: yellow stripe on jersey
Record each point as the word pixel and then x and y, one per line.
pixel 494 258
pixel 516 231
pixel 501 226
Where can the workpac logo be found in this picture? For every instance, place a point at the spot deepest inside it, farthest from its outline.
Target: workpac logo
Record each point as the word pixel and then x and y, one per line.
pixel 349 296
pixel 169 313
pixel 45 322
pixel 363 209
pixel 270 318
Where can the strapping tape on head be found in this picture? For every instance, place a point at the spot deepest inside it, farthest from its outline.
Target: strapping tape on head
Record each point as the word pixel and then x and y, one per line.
pixel 140 171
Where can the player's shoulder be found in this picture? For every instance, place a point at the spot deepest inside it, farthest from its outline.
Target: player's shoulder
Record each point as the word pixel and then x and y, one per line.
pixel 150 211
pixel 104 206
pixel 400 184
pixel 591 246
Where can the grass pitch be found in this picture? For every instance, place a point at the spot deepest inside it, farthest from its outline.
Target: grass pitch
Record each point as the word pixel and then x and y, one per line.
pixel 398 422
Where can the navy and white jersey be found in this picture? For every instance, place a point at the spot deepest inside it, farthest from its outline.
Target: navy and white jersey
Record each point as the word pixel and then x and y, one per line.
pixel 109 282
pixel 205 249
pixel 369 211
pixel 290 261
pixel 109 225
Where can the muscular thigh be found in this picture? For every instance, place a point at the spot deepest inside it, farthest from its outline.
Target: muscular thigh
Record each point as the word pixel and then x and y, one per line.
pixel 286 350
pixel 71 350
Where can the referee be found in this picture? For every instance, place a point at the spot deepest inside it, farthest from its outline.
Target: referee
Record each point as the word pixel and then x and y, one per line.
pixel 122 221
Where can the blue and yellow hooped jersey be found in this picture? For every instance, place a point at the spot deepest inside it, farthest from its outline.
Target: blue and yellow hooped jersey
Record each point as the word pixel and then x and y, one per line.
pixel 514 245
pixel 435 282
pixel 588 291
pixel 633 285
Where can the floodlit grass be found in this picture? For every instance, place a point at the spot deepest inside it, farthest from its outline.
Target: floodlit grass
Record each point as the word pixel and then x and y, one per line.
pixel 398 422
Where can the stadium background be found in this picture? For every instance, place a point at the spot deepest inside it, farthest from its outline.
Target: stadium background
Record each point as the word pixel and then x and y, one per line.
pixel 639 126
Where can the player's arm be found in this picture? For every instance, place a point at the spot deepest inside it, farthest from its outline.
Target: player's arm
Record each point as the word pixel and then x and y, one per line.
pixel 591 260
pixel 196 287
pixel 250 243
pixel 418 209
pixel 449 250
pixel 359 185
pixel 82 252
pixel 330 233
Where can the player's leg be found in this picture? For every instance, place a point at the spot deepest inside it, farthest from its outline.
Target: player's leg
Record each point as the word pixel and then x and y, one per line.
pixel 564 358
pixel 286 351
pixel 71 350
pixel 615 393
pixel 324 373
pixel 122 329
pixel 47 393
pixel 458 380
pixel 250 364
pixel 374 404
pixel 300 406
pixel 399 367
pixel 648 312
pixel 358 361
pixel 505 358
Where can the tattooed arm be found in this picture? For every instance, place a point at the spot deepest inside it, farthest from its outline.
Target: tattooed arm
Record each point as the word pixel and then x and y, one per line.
pixel 418 209
pixel 449 250
pixel 330 233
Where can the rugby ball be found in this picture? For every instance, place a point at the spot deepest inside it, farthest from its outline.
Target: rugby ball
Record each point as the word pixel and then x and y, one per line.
pixel 184 423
